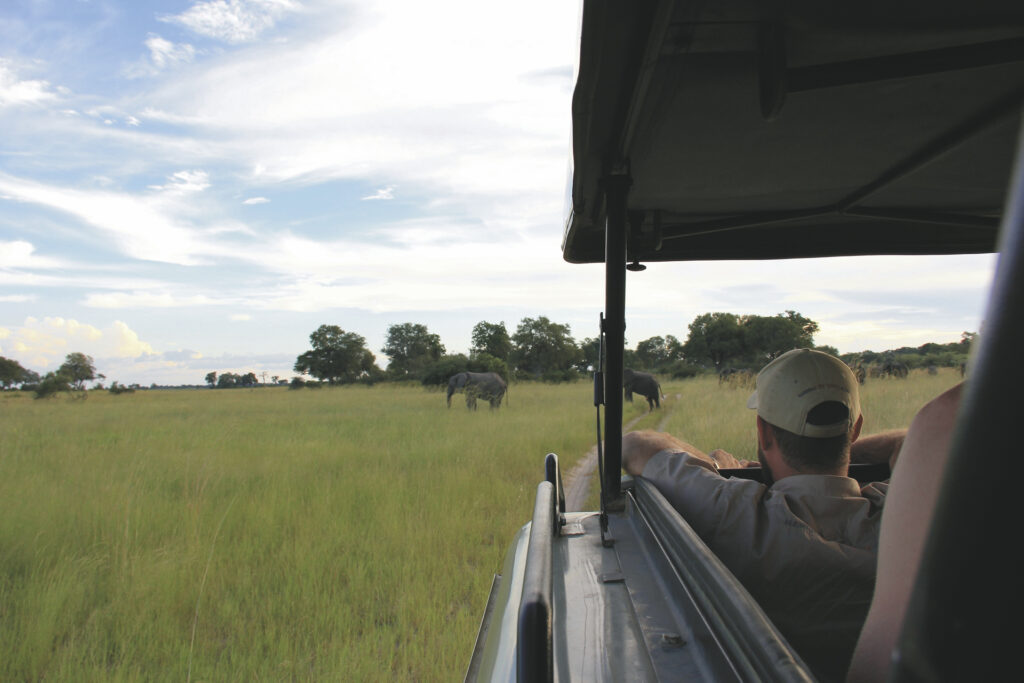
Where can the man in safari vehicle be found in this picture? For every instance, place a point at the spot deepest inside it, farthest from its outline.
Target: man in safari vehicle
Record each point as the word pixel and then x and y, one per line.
pixel 804 543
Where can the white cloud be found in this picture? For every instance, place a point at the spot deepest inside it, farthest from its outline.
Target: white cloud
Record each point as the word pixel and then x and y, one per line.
pixel 16 299
pixel 185 181
pixel 256 200
pixel 15 91
pixel 163 54
pixel 232 21
pixel 44 343
pixel 145 300
pixel 21 254
pixel 239 317
pixel 383 193
pixel 144 228
pixel 467 118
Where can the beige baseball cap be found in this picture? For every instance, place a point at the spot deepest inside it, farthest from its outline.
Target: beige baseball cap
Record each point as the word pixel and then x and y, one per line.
pixel 793 384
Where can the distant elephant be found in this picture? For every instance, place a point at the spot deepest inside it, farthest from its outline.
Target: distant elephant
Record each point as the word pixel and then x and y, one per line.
pixel 895 369
pixel 642 383
pixel 486 385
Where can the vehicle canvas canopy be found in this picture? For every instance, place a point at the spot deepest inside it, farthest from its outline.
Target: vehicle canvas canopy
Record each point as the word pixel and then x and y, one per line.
pixel 740 130
pixel 755 130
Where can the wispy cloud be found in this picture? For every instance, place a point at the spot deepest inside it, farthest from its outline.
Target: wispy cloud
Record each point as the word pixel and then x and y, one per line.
pixel 144 228
pixel 383 193
pixel 232 21
pixel 256 200
pixel 162 54
pixel 146 300
pixel 185 181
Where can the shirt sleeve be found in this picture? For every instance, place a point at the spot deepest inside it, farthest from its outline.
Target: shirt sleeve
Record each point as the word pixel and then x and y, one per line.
pixel 701 496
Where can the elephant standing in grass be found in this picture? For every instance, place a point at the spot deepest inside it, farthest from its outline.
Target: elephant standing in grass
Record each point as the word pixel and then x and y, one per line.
pixel 488 386
pixel 642 383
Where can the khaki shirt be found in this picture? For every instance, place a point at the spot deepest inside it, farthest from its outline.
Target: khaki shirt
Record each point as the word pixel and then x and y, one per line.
pixel 805 548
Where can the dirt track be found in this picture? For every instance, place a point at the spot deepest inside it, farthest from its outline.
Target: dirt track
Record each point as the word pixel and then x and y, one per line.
pixel 577 480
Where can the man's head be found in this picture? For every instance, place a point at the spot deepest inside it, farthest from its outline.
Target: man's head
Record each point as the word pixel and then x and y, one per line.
pixel 810 405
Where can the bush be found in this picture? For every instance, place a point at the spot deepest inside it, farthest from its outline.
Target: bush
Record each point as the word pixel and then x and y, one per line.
pixel 559 376
pixel 116 388
pixel 53 384
pixel 683 370
pixel 297 383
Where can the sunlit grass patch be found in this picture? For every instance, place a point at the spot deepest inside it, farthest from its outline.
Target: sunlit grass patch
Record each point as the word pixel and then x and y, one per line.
pixel 344 533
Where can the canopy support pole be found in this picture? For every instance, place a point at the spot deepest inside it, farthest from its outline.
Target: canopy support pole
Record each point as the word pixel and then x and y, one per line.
pixel 616 188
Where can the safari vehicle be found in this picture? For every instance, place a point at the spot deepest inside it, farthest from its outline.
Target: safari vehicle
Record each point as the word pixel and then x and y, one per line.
pixel 738 130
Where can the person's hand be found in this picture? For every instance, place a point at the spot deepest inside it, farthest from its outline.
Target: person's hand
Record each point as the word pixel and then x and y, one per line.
pixel 725 460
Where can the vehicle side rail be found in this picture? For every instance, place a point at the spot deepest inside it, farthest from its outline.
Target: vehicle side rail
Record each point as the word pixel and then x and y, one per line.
pixel 535 657
pixel 754 647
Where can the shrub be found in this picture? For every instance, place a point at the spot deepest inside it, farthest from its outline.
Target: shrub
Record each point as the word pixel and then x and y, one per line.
pixel 53 384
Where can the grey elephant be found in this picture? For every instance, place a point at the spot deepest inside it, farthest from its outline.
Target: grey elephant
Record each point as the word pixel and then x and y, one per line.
pixel 644 384
pixel 488 386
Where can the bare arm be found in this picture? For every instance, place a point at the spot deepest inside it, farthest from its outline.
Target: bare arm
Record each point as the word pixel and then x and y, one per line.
pixel 639 447
pixel 878 448
pixel 908 512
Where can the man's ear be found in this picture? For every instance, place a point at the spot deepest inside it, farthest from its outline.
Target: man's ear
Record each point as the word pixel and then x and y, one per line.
pixel 856 428
pixel 764 434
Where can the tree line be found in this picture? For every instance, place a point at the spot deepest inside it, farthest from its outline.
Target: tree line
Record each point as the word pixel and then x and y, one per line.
pixel 541 349
pixel 74 372
pixel 538 349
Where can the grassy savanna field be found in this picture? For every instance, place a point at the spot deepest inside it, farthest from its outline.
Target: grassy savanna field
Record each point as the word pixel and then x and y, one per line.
pixel 336 534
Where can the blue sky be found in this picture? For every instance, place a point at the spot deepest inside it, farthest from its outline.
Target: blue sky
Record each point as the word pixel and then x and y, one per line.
pixel 198 185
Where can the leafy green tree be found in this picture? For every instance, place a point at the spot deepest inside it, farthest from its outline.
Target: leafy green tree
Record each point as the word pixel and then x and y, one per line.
pixel 714 337
pixel 411 348
pixel 492 339
pixel 228 380
pixel 12 373
pixel 337 356
pixel 78 368
pixel 658 352
pixel 750 340
pixel 545 350
pixel 767 337
pixel 590 355
pixel 211 379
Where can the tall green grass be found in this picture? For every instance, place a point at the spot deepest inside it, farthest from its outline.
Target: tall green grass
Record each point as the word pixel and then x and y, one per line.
pixel 341 534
